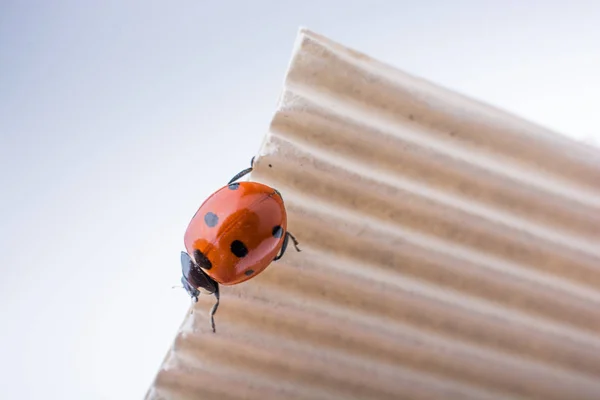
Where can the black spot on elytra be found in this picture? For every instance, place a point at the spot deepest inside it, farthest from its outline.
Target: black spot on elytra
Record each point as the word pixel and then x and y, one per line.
pixel 239 249
pixel 277 231
pixel 201 260
pixel 249 272
pixel 211 219
pixel 233 186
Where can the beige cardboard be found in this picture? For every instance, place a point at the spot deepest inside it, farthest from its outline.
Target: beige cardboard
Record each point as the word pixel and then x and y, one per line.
pixel 449 251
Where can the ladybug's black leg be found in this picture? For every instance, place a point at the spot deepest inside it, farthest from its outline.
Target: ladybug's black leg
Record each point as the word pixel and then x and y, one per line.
pixel 283 247
pixel 294 240
pixel 242 173
pixel 285 244
pixel 213 310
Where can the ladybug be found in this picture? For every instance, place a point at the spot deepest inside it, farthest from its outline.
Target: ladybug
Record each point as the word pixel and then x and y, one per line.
pixel 235 234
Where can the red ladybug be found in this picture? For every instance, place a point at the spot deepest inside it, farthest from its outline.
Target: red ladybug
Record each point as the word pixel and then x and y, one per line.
pixel 235 234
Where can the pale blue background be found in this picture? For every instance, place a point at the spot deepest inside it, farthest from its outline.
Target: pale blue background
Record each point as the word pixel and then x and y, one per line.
pixel 117 119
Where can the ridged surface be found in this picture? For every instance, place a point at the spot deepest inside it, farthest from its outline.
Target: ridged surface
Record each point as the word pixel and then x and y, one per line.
pixel 449 251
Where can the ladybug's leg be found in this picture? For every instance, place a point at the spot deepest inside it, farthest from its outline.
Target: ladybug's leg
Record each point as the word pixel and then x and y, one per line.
pixel 294 240
pixel 213 310
pixel 285 244
pixel 283 247
pixel 242 173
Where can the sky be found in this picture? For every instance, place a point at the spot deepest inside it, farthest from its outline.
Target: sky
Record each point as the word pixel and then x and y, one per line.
pixel 118 118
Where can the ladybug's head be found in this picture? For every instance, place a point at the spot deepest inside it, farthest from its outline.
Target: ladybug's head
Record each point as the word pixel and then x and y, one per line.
pixel 193 277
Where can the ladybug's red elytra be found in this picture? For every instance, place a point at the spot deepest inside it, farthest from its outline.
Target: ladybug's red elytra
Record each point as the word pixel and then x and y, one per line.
pixel 235 234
